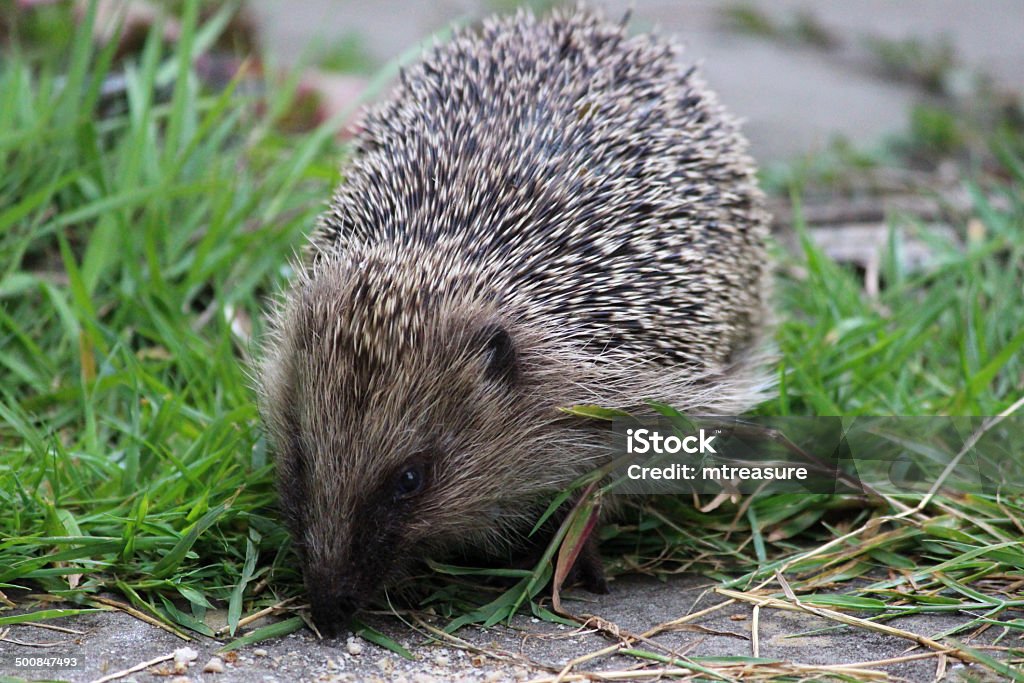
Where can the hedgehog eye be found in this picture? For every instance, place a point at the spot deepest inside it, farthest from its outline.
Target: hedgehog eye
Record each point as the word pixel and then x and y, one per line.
pixel 410 481
pixel 499 353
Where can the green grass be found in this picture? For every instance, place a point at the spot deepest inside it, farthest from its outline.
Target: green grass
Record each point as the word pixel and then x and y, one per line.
pixel 130 454
pixel 131 459
pixel 945 341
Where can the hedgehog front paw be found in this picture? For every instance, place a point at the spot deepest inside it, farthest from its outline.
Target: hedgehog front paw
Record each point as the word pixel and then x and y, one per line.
pixel 588 571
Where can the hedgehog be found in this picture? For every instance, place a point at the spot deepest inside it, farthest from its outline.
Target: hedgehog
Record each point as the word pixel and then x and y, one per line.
pixel 545 212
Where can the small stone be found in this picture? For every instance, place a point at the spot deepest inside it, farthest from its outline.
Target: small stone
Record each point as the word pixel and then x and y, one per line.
pixel 353 646
pixel 214 666
pixel 442 660
pixel 260 652
pixel 183 658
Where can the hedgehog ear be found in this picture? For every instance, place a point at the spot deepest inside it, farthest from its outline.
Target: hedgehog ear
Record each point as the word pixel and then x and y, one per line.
pixel 499 353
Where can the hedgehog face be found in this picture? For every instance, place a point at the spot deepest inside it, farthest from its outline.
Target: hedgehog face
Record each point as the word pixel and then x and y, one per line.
pixel 392 434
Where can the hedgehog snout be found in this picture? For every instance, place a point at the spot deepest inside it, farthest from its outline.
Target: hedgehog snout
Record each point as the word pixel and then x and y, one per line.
pixel 344 572
pixel 332 614
pixel 333 605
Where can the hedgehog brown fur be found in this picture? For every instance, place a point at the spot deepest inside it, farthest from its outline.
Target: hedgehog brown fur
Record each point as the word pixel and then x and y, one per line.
pixel 545 212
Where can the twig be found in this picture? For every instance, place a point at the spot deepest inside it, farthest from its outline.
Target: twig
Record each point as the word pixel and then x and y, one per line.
pixel 743 670
pixel 255 616
pixel 628 674
pixel 878 521
pixel 889 661
pixel 755 645
pixel 940 668
pixel 795 605
pixel 141 616
pixel 627 639
pixel 25 643
pixel 135 669
pixel 51 627
pixel 671 625
pixel 968 445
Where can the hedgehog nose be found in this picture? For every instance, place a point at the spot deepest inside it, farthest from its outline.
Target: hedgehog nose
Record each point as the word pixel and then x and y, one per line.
pixel 332 613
